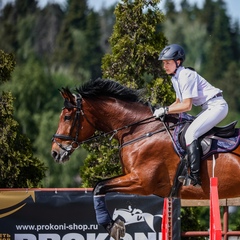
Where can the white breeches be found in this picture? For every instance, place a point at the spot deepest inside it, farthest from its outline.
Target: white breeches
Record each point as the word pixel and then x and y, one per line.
pixel 213 112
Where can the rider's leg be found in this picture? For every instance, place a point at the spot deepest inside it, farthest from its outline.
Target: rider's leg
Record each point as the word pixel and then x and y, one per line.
pixel 213 112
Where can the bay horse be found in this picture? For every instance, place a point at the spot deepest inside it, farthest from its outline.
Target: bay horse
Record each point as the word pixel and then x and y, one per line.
pixel 149 160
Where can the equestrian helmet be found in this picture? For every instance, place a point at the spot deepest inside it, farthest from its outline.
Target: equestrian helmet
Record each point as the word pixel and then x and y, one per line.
pixel 172 52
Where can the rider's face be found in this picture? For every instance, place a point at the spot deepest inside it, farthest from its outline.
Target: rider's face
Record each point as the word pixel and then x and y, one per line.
pixel 169 66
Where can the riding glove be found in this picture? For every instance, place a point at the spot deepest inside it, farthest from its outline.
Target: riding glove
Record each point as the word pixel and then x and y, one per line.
pixel 159 112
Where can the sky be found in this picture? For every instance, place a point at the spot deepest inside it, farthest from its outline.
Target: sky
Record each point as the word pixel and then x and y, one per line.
pixel 233 6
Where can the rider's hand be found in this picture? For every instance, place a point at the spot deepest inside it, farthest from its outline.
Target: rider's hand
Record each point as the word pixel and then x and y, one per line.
pixel 159 112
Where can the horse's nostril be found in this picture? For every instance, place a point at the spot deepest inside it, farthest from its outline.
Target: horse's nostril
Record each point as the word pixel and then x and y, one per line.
pixel 54 154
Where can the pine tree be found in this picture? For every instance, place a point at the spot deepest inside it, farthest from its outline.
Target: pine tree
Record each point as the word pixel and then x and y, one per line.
pixel 135 43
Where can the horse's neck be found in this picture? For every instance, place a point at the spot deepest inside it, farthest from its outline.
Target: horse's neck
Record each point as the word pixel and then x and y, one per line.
pixel 114 114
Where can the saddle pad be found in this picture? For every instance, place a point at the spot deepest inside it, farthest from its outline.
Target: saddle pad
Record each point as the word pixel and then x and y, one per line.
pixel 223 145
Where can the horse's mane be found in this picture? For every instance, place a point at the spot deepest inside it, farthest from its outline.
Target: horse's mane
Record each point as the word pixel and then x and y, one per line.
pixel 102 87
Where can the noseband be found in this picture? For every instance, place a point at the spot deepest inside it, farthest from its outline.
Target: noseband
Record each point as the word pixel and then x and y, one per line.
pixel 74 144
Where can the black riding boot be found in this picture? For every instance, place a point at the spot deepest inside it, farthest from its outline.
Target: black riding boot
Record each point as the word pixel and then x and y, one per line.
pixel 194 159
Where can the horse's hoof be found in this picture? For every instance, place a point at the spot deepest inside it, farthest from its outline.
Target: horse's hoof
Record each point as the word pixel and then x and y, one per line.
pixel 118 230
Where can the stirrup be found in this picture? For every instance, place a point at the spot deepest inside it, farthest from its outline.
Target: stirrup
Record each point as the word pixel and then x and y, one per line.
pixel 181 178
pixel 188 180
pixel 185 180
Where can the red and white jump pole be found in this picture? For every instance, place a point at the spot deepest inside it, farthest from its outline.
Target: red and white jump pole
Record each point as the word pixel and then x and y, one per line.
pixel 167 219
pixel 215 219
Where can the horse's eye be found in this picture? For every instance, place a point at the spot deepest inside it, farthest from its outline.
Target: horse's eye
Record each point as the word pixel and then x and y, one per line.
pixel 67 118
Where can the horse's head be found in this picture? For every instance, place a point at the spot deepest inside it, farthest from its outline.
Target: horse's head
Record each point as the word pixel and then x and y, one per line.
pixel 73 127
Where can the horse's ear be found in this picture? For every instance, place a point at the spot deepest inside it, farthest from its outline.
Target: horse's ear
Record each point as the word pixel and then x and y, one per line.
pixel 66 94
pixel 62 93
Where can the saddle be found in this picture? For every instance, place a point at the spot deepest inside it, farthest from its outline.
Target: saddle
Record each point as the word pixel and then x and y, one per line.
pixel 217 140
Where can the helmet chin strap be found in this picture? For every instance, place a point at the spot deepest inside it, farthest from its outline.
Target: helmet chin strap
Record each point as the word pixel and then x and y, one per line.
pixel 177 66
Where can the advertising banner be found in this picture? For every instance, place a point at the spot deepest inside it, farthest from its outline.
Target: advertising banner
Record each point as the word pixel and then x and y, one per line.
pixel 69 215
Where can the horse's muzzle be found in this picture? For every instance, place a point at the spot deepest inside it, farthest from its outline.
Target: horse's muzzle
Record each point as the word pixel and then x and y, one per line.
pixel 60 157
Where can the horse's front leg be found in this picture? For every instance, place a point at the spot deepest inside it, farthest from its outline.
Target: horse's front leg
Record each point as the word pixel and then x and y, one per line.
pixel 126 184
pixel 116 229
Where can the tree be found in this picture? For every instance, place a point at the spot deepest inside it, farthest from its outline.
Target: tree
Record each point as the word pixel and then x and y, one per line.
pixel 7 64
pixel 220 49
pixel 18 166
pixel 170 10
pixel 102 162
pixel 210 41
pixel 135 43
pixel 38 107
pixel 25 8
pixel 78 43
pixel 30 33
pixel 191 220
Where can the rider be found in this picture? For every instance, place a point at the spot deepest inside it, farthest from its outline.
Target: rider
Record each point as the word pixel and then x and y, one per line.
pixel 191 89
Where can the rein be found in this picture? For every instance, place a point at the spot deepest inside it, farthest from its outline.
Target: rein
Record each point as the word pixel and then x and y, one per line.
pixel 149 134
pixel 75 143
pixel 115 131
